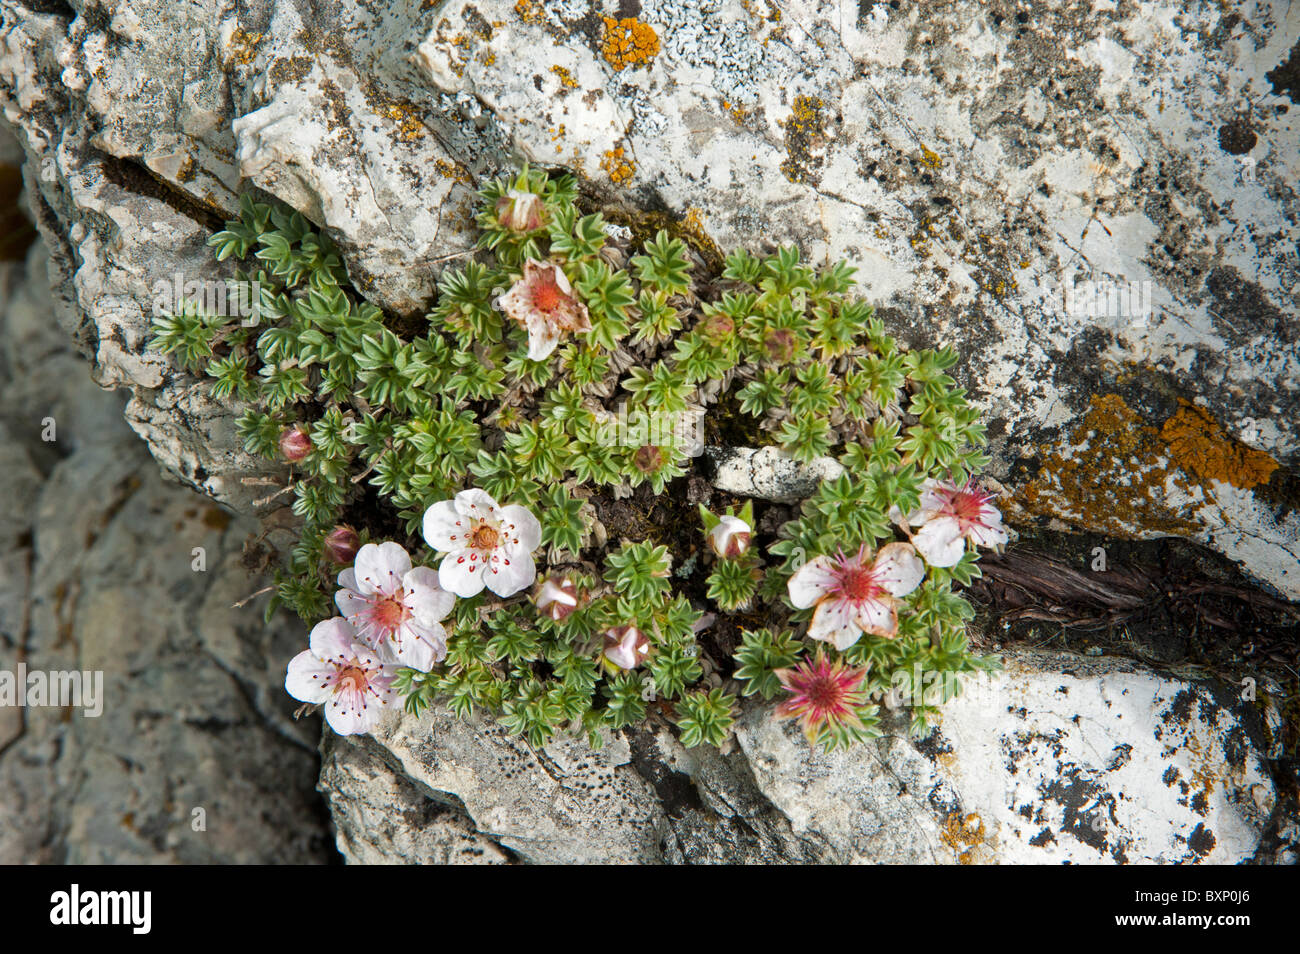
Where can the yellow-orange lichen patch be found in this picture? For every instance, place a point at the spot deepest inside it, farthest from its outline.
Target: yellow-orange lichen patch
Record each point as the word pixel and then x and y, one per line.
pixel 243 46
pixel 566 78
pixel 619 167
pixel 530 11
pixel 963 833
pixel 409 125
pixel 453 170
pixel 628 42
pixel 1200 446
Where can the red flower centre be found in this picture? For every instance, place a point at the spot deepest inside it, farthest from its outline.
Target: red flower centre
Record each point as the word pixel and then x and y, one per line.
pixel 825 694
pixel 547 295
pixel 859 583
pixel 353 678
pixel 967 506
pixel 484 537
pixel 389 612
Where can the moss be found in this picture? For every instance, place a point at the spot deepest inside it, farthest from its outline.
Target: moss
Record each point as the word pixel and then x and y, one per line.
pixel 628 42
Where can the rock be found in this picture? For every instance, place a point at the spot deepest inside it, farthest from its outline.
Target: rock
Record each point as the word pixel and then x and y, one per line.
pixel 192 757
pixel 1055 760
pixel 768 473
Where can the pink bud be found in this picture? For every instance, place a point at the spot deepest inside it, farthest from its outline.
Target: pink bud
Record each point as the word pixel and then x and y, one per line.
pixel 626 647
pixel 295 443
pixel 520 211
pixel 730 538
pixel 341 545
pixel 557 597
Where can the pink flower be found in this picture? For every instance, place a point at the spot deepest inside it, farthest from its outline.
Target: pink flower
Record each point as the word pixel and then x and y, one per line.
pixel 626 647
pixel 543 302
pixel 345 675
pixel 486 545
pixel 824 696
pixel 394 607
pixel 520 211
pixel 730 538
pixel 856 595
pixel 557 597
pixel 951 515
pixel 295 443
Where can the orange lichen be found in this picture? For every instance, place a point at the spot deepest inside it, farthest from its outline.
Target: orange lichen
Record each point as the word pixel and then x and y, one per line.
pixel 619 167
pixel 931 158
pixel 962 833
pixel 802 131
pixel 1200 446
pixel 409 125
pixel 453 170
pixel 530 11
pixel 628 42
pixel 566 78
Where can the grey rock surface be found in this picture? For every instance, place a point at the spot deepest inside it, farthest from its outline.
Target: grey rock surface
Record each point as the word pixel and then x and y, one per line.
pixel 194 756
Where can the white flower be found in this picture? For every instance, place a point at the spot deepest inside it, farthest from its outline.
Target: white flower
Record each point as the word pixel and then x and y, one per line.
pixel 730 538
pixel 949 516
pixel 395 607
pixel 520 211
pixel 346 675
pixel 557 597
pixel 543 302
pixel 626 647
pixel 486 545
pixel 856 595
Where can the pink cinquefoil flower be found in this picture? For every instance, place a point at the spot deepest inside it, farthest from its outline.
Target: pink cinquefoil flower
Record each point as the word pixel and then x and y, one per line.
pixel 857 594
pixel 394 607
pixel 486 545
pixel 626 646
pixel 951 515
pixel 344 674
pixel 824 695
pixel 520 211
pixel 730 538
pixel 543 302
pixel 557 597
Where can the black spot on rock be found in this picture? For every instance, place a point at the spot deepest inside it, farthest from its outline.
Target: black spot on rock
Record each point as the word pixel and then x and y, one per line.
pixel 1201 840
pixel 1286 78
pixel 1237 137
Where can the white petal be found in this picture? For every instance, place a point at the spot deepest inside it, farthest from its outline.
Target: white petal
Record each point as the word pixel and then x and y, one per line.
pixel 349 713
pixel 425 595
pixel 306 677
pixel 506 575
pixel 350 603
pixel 811 582
pixel 991 533
pixel 333 639
pixel 898 569
pixel 440 526
pixel 477 504
pixel 878 617
pixel 543 336
pixel 460 574
pixel 835 622
pixel 940 541
pixel 380 567
pixel 410 646
pixel 519 524
pixel 348 580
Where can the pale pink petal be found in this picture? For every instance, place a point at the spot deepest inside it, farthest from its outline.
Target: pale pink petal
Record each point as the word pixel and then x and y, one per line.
pixel 333 639
pixel 411 646
pixel 519 525
pixel 898 569
pixel 350 603
pixel 460 573
pixel 990 533
pixel 425 595
pixel 348 580
pixel 380 568
pixel 307 678
pixel 350 712
pixel 835 622
pixel 812 581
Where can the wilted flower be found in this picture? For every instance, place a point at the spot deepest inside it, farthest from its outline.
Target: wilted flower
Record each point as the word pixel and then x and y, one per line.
pixel 626 647
pixel 949 516
pixel 543 302
pixel 346 675
pixel 395 607
pixel 856 594
pixel 295 443
pixel 824 695
pixel 486 545
pixel 557 597
pixel 730 538
pixel 520 211
pixel 341 544
pixel 779 344
pixel 648 459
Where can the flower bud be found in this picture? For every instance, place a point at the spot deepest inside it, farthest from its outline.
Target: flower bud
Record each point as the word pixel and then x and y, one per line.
pixel 730 538
pixel 648 459
pixel 295 443
pixel 520 211
pixel 626 647
pixel 779 344
pixel 717 328
pixel 341 545
pixel 557 597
